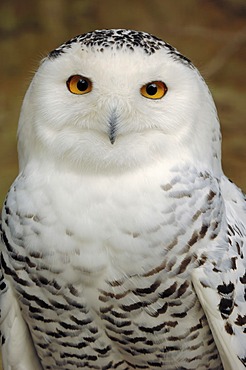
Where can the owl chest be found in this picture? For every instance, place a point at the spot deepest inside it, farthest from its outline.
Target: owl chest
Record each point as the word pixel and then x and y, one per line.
pixel 119 246
pixel 94 232
pixel 104 233
pixel 112 266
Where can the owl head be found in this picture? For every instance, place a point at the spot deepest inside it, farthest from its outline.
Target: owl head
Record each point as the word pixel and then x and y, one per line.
pixel 115 100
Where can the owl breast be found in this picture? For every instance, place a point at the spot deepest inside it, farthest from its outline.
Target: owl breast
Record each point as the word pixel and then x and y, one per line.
pixel 104 280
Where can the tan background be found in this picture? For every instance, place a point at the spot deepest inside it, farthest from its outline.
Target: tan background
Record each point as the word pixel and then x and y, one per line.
pixel 212 33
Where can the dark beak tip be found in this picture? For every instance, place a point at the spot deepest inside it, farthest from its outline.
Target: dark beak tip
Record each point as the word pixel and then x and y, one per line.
pixel 112 140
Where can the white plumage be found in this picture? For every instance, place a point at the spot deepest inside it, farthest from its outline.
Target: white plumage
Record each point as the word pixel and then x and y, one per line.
pixel 123 241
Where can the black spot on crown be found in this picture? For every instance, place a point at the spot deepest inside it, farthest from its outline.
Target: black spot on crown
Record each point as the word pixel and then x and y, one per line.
pixel 117 39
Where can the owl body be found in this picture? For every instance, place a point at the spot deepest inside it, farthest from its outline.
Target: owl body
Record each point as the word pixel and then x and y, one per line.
pixel 121 220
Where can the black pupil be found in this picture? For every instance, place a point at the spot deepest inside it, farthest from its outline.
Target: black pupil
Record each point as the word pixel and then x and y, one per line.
pixel 151 89
pixel 82 85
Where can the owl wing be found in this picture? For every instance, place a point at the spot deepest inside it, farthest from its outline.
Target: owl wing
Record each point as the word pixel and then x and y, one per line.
pixel 18 352
pixel 228 342
pixel 221 288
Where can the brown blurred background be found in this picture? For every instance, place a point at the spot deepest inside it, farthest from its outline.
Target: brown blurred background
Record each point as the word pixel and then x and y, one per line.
pixel 212 33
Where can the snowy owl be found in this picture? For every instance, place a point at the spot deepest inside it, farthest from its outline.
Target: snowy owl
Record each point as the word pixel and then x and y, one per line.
pixel 122 240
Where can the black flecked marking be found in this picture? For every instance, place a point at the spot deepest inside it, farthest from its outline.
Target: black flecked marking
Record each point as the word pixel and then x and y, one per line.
pixel 52 334
pixel 2 286
pixel 226 288
pixel 215 269
pixel 6 242
pixel 179 314
pixel 169 291
pixel 118 324
pixel 144 291
pixel 155 270
pixel 182 289
pixel 186 261
pixel 243 360
pixel 243 279
pixel 90 339
pixel 43 345
pixel 154 328
pixel 118 364
pixel 196 215
pixel 241 320
pixel 115 339
pixel 136 339
pixel 107 295
pixel 73 290
pixel 120 315
pixel 127 332
pixel 40 318
pixel 234 263
pixel 171 348
pixel 108 366
pixel 194 238
pixel 155 364
pixel 80 322
pixel 18 257
pixel 73 303
pixel 103 351
pixel 12 273
pixel 120 39
pixel 238 248
pixel 225 307
pixel 69 326
pixel 106 309
pixel 228 328
pixel 134 366
pixel 80 357
pixel 196 327
pixel 78 345
pixel 54 284
pixel 36 299
pixel 144 350
pixel 35 254
pixel 162 309
pixel 59 305
pixel 203 231
pixel 211 195
pixel 115 282
pixel 7 210
pixel 133 306
pixel 34 309
pixel 202 259
pixel 93 330
pixel 40 281
pixel 231 231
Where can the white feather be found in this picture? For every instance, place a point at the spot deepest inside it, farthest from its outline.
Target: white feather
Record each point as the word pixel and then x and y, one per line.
pixel 18 351
pixel 209 300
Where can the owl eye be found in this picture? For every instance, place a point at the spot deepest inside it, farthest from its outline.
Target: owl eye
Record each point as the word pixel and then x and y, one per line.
pixel 154 90
pixel 79 85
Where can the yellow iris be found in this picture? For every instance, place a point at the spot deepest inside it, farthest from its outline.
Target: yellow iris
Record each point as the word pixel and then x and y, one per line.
pixel 154 90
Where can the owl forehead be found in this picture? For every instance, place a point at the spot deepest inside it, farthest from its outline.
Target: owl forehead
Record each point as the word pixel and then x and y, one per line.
pixel 114 40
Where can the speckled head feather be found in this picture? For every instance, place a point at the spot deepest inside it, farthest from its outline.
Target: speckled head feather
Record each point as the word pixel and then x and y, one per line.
pixel 100 40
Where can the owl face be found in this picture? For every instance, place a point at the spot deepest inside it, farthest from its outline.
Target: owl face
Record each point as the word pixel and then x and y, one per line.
pixel 115 102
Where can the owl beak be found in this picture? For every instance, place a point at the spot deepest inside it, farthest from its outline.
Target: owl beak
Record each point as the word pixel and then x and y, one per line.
pixel 112 134
pixel 112 127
